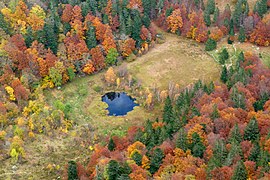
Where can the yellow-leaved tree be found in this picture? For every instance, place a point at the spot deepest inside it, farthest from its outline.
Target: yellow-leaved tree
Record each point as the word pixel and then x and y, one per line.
pixel 110 76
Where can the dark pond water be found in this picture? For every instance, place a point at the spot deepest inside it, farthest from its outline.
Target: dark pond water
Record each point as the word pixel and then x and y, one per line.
pixel 119 103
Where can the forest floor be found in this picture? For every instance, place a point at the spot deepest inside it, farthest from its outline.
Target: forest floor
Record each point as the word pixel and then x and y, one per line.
pixel 179 60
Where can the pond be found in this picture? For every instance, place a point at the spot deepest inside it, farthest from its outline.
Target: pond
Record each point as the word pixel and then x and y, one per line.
pixel 119 104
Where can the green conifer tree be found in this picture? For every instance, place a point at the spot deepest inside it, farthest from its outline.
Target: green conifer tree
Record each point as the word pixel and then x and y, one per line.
pixel 122 27
pixel 182 142
pixel 210 45
pixel 219 153
pixel 136 28
pixel 51 36
pixel 242 35
pixel 255 152
pixel 235 152
pixel 112 170
pixel 156 160
pixel 223 56
pixel 111 145
pixel 239 100
pixel 91 40
pixel 224 74
pixel 197 147
pixel 235 135
pixel 4 25
pixel 137 157
pixel 85 8
pixel 240 172
pixel 215 113
pixel 29 37
pixel 72 170
pixel 111 57
pixel 163 135
pixel 241 57
pixel 168 111
pixel 211 5
pixel 207 18
pixel 260 7
pixel 216 15
pixel 252 131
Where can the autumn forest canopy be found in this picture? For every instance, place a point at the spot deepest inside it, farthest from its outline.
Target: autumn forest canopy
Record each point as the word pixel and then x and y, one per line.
pixel 207 130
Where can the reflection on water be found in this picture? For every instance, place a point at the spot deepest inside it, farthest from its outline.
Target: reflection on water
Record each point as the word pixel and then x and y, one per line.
pixel 119 104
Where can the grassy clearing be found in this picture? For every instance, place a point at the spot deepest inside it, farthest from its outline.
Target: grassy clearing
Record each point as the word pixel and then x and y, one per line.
pixel 180 60
pixel 236 48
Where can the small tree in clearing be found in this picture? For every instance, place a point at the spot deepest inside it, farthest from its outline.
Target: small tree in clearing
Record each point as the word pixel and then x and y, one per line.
pixel 210 45
pixel 110 76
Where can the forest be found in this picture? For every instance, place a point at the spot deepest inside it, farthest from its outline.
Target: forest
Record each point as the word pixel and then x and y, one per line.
pixel 206 130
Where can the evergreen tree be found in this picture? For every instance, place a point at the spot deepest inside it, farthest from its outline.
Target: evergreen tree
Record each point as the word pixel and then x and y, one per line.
pixel 207 18
pixel 224 74
pixel 223 56
pixel 258 105
pixel 260 7
pixel 231 33
pixel 92 5
pixel 241 57
pixel 66 27
pixel 216 15
pixel 242 35
pixel 197 147
pixel 239 100
pixel 129 26
pixel 29 37
pixel 235 152
pixel 219 154
pixel 136 28
pixel 210 45
pixel 182 142
pixel 4 25
pixel 264 159
pixel 252 131
pixel 41 36
pixel 156 160
pixel 72 171
pixel 163 135
pixel 215 113
pixel 71 73
pixel 112 170
pixel 146 7
pixel 111 145
pixel 111 57
pixel 146 21
pixel 91 40
pixel 168 111
pixel 51 36
pixel 137 157
pixel 211 6
pixel 85 8
pixel 255 152
pixel 235 135
pixel 240 172
pixel 240 12
pixel 105 19
pixel 124 170
pixel 122 27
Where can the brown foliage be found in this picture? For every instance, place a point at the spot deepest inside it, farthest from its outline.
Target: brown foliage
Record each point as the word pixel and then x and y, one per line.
pixel 97 58
pixel 108 42
pixel 175 21
pixel 67 13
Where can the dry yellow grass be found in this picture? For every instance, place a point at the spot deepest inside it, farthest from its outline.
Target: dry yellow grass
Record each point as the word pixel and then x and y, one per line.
pixel 180 60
